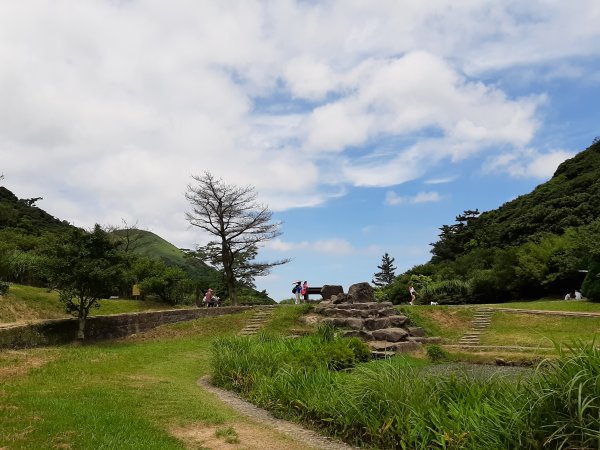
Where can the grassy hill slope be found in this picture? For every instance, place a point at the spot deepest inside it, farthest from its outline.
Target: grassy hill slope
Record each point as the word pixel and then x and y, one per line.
pixel 146 243
pixel 25 303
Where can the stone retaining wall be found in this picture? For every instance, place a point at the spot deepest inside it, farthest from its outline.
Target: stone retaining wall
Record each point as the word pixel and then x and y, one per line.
pixel 56 331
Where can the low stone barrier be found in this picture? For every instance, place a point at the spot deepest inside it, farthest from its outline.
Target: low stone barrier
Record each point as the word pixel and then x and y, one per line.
pixel 57 331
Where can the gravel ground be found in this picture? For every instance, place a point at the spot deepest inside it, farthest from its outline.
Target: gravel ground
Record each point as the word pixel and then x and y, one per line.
pixel 309 437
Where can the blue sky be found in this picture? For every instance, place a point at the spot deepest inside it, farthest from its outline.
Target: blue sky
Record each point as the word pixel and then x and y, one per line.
pixel 364 125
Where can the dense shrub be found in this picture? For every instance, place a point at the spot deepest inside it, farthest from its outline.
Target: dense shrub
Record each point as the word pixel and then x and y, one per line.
pixel 4 287
pixel 591 284
pixel 448 292
pixel 485 287
pixel 436 353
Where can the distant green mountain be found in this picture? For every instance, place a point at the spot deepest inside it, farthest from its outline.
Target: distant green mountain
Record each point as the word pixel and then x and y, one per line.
pixel 146 243
pixel 24 227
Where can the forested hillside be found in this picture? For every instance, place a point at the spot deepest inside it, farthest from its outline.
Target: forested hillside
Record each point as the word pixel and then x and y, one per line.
pixel 23 215
pixel 29 236
pixel 542 243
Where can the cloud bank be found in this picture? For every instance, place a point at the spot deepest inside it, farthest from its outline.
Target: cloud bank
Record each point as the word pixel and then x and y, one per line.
pixel 108 107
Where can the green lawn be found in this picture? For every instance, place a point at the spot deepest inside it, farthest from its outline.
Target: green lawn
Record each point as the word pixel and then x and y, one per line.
pixel 24 303
pixel 447 322
pixel 552 305
pixel 137 392
pixel 529 330
pixel 125 394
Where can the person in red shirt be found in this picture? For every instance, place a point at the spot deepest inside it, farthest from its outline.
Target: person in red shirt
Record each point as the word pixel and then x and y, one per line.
pixel 304 291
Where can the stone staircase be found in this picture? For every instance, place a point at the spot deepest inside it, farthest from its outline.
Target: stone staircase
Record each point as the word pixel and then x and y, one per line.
pixel 257 321
pixel 482 320
pixel 378 324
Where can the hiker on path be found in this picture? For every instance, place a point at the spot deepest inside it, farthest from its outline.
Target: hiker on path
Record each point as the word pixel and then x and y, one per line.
pixel 304 291
pixel 413 293
pixel 296 290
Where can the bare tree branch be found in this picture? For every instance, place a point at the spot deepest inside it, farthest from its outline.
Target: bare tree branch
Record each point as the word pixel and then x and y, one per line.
pixel 232 214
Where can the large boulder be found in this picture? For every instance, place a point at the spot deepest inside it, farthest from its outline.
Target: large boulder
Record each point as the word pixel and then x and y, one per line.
pixel 390 334
pixel 361 293
pixel 329 290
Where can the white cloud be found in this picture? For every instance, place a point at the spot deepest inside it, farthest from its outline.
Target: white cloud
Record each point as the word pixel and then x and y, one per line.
pixel 528 164
pixel 334 246
pixel 442 180
pixel 109 107
pixel 391 198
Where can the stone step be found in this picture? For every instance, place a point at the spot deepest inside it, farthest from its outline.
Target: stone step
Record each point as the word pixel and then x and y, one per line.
pixel 382 354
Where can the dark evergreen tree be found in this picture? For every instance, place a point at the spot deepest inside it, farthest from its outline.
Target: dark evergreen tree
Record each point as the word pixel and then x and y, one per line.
pixel 456 240
pixel 386 275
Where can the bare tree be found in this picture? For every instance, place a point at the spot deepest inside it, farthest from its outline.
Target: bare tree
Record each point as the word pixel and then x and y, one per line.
pixel 130 237
pixel 240 224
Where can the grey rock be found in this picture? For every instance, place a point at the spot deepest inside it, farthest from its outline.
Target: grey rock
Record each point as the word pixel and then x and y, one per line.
pixel 328 290
pixel 416 331
pixel 339 298
pixel 407 347
pixel 398 321
pixel 361 292
pixel 361 334
pixel 377 323
pixel 390 334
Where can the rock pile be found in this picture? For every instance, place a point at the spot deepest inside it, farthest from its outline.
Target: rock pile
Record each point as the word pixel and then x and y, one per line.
pixel 379 324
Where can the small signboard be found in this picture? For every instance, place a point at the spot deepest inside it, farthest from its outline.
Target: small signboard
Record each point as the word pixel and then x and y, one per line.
pixel 135 290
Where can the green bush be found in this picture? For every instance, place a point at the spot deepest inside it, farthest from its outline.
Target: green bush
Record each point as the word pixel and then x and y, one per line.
pixel 591 285
pixel 4 287
pixel 446 292
pixel 436 353
pixel 485 288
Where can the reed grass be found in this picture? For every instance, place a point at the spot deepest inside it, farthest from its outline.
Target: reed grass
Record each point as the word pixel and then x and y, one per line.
pixel 407 403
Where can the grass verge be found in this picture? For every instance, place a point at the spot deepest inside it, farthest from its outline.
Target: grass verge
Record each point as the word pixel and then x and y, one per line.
pixel 24 303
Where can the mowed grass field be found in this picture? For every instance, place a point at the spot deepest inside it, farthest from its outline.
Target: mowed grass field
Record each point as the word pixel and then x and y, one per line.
pixel 512 329
pixel 24 303
pixel 134 393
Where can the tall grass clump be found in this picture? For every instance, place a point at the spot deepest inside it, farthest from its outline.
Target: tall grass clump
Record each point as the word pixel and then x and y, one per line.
pixel 565 401
pixel 406 403
pixel 239 363
pixel 392 404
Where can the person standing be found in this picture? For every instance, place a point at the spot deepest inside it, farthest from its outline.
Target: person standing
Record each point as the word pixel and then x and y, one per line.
pixel 297 290
pixel 413 293
pixel 304 291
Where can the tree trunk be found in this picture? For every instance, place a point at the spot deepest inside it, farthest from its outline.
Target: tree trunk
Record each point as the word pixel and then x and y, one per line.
pixel 81 330
pixel 227 258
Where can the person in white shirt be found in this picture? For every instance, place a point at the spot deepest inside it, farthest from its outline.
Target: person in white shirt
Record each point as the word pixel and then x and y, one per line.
pixel 577 295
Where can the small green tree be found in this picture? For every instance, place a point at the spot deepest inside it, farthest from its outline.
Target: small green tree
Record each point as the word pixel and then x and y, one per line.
pixel 167 282
pixel 83 267
pixel 386 274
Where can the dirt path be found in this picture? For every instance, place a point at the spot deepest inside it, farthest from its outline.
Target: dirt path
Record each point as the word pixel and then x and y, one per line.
pixel 294 431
